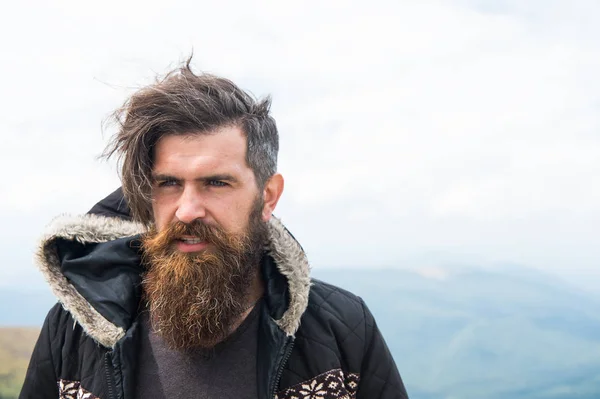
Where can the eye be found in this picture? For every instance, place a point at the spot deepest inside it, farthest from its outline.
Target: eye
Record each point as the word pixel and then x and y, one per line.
pixel 217 183
pixel 167 183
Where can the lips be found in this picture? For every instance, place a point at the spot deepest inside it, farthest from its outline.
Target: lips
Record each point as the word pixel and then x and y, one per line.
pixel 190 240
pixel 191 244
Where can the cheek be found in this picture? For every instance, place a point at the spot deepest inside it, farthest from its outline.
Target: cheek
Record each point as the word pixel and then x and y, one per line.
pixel 229 218
pixel 233 216
pixel 161 212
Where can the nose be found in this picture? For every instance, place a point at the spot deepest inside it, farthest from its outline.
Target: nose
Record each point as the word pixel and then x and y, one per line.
pixel 190 207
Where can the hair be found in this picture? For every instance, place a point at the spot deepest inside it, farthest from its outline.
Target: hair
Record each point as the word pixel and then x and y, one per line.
pixel 185 103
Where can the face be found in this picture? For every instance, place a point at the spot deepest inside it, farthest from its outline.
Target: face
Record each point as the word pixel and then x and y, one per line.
pixel 206 178
pixel 209 235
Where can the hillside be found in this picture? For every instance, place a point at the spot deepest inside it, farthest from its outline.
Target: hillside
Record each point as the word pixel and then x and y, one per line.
pixel 455 333
pixel 16 345
pixel 481 334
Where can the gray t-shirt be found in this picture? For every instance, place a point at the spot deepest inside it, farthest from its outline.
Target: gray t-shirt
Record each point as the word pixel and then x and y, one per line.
pixel 228 371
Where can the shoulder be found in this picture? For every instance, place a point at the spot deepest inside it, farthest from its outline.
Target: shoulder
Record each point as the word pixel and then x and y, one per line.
pixel 60 328
pixel 335 326
pixel 334 306
pixel 57 318
pixel 333 298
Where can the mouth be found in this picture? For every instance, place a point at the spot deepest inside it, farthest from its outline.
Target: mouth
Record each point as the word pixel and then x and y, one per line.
pixel 187 240
pixel 190 244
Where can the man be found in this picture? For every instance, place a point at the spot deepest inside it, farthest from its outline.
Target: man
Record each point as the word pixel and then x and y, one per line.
pixel 183 284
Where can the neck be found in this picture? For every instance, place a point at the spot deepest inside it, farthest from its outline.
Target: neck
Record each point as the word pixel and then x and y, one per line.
pixel 256 291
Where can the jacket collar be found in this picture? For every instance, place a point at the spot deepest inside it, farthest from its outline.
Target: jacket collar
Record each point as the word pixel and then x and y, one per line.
pixel 288 256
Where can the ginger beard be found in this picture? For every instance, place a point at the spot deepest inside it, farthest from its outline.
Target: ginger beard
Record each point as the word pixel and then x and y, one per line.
pixel 195 299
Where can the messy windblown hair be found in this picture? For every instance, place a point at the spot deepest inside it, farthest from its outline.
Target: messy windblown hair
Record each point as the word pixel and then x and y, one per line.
pixel 185 103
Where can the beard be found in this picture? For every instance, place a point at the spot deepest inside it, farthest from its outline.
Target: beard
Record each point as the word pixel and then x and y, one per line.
pixel 195 299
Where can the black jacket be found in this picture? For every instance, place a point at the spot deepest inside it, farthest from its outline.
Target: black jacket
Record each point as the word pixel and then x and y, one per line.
pixel 315 340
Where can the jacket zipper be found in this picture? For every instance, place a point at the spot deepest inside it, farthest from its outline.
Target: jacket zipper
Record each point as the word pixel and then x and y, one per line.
pixel 109 377
pixel 286 356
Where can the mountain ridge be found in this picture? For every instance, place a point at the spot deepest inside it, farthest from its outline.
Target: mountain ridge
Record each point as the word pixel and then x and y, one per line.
pixel 467 333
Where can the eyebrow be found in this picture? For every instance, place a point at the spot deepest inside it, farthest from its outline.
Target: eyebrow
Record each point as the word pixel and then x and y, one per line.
pixel 220 176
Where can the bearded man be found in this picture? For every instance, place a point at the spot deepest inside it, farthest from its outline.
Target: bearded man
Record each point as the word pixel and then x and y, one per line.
pixel 181 284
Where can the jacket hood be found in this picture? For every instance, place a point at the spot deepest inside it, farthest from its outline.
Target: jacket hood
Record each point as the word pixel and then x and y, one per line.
pixel 92 264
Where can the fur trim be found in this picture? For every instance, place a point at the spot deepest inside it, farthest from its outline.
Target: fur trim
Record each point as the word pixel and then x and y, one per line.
pixel 292 263
pixel 84 229
pixel 287 253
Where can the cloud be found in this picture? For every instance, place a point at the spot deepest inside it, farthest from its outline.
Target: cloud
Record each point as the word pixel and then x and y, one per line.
pixel 468 127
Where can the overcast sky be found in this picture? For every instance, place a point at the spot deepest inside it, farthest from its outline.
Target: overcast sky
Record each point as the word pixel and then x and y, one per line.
pixel 413 133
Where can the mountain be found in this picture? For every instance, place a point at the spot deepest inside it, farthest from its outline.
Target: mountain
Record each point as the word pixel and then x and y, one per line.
pixel 457 333
pixel 472 333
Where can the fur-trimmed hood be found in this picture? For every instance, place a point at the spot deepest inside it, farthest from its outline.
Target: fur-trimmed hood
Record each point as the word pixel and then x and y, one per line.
pixel 82 259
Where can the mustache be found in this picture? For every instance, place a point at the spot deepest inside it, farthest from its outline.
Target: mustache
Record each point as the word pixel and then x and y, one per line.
pixel 214 235
pixel 196 229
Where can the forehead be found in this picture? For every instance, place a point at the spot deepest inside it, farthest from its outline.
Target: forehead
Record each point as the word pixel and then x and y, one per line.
pixel 222 148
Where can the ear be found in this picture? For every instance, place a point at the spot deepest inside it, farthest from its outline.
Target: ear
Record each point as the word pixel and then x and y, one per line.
pixel 271 194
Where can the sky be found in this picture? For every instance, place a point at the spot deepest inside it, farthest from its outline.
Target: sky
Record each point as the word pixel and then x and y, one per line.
pixel 419 134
